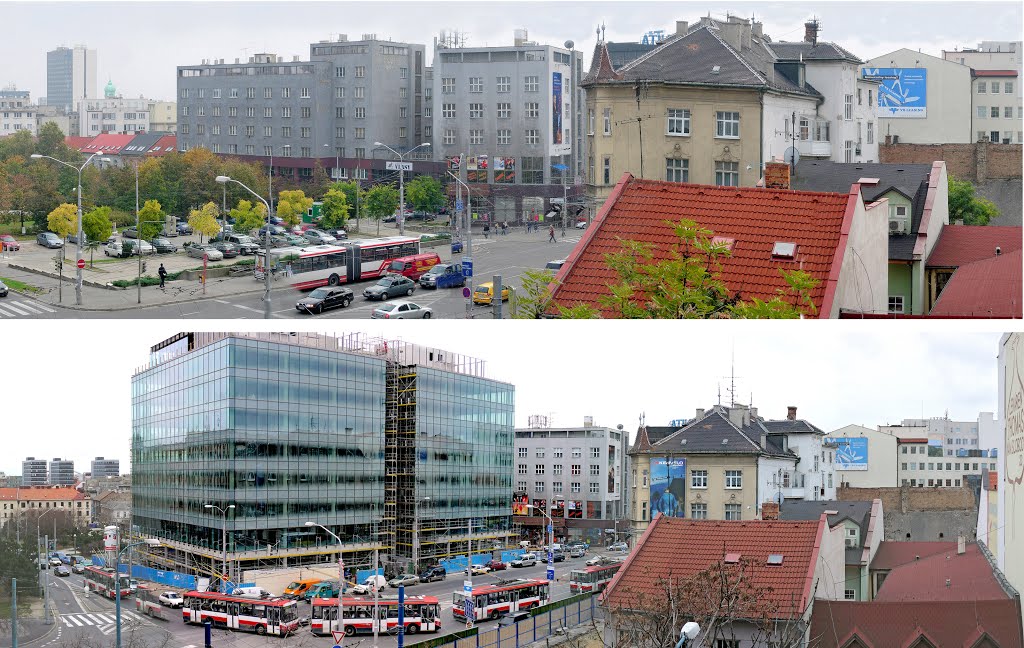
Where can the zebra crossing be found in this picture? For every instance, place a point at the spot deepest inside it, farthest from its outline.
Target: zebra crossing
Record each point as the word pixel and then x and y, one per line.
pixel 21 308
pixel 105 621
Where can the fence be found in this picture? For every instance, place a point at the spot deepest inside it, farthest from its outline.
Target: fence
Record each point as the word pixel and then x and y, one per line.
pixel 174 579
pixel 546 621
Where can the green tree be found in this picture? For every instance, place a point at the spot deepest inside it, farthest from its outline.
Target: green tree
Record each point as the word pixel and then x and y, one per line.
pixel 97 228
pixel 292 205
pixel 334 210
pixel 249 216
pixel 50 141
pixel 966 206
pixel 319 182
pixel 424 194
pixel 533 298
pixel 151 220
pixel 381 201
pixel 17 560
pixel 204 220
pixel 355 197
pixel 63 220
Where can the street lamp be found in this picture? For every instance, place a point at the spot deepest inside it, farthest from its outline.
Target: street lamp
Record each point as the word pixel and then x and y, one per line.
pixel 46 579
pixel 551 541
pixel 401 181
pixel 469 232
pixel 341 579
pixel 117 580
pixel 78 239
pixel 223 537
pixel 266 245
pixel 689 632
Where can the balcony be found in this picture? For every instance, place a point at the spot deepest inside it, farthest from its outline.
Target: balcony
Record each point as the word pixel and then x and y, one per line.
pixel 814 148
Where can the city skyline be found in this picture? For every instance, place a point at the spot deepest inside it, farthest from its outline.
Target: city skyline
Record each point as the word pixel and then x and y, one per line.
pixel 834 377
pixel 220 30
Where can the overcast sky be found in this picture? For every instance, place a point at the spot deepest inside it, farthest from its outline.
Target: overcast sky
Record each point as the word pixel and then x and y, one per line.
pixel 66 384
pixel 140 44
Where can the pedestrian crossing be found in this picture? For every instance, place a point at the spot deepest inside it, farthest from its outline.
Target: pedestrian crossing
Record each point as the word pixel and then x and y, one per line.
pixel 100 620
pixel 22 308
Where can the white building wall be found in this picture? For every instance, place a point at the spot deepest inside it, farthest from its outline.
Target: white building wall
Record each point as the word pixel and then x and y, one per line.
pixel 882 458
pixel 778 110
pixel 834 80
pixel 864 275
pixel 817 464
pixel 769 480
pixel 994 111
pixel 113 116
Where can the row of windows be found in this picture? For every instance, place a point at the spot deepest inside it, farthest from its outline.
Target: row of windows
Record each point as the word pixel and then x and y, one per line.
pixel 501 84
pixel 595 453
pixel 699 511
pixel 931 482
pixel 973 467
pixel 531 109
pixel 992 112
pixel 699 478
pixel 556 487
pixel 531 136
pixel 983 87
pixel 677 122
pixel 574 469
pixel 250 93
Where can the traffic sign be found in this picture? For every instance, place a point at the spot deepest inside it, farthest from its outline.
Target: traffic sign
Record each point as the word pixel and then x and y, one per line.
pixel 466 292
pixel 398 166
pixel 551 573
pixel 459 205
pixel 467 586
pixel 469 625
pixel 338 635
pixel 81 263
pixel 467 608
pixel 467 267
pixel 550 529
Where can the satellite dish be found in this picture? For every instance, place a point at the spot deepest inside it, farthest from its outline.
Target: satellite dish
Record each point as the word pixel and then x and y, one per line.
pixel 792 156
pixel 569 44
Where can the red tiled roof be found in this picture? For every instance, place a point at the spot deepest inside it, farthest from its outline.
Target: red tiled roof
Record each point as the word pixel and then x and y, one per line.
pixel 893 554
pixel 988 288
pixel 994 73
pixel 680 548
pixel 945 576
pixel 40 493
pixel 912 440
pixel 950 624
pixel 164 145
pixel 109 143
pixel 77 143
pixel 962 244
pixel 645 210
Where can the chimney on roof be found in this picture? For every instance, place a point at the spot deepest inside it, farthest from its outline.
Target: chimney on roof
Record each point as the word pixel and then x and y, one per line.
pixel 700 413
pixel 947 582
pixel 764 440
pixel 961 544
pixel 791 413
pixel 681 26
pixel 739 415
pixel 753 412
pixel 999 250
pixel 757 29
pixel 811 31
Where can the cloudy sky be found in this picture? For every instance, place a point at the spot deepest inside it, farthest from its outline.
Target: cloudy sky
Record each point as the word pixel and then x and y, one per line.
pixel 66 384
pixel 139 44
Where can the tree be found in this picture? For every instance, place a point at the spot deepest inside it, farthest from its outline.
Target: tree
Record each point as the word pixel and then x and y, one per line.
pixel 97 228
pixel 424 194
pixel 319 182
pixel 292 206
pixel 532 299
pixel 249 216
pixel 966 206
pixel 151 220
pixel 204 220
pixel 17 560
pixel 334 210
pixel 63 221
pixel 381 201
pixel 354 197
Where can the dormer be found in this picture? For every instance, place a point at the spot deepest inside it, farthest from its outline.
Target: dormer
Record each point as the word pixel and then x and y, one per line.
pixel 795 71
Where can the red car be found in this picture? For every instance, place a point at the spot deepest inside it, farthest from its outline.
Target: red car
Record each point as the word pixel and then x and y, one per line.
pixel 497 565
pixel 9 242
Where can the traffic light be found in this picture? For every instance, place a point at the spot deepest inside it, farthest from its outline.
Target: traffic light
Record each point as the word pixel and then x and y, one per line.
pixel 58 263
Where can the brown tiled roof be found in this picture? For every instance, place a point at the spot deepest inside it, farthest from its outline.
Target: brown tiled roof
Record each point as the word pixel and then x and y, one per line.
pixel 961 244
pixel 990 288
pixel 945 576
pixel 40 493
pixel 893 554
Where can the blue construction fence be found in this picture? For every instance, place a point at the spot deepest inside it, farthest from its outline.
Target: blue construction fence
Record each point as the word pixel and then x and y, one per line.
pixel 363 574
pixel 173 579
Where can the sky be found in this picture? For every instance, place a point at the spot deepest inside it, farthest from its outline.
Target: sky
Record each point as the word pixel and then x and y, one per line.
pixel 139 44
pixel 65 385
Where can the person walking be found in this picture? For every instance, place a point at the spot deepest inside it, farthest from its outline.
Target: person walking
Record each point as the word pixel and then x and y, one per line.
pixel 551 234
pixel 163 274
pixel 487 230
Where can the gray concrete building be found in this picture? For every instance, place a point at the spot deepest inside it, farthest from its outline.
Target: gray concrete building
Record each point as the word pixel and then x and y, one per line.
pixel 62 472
pixel 105 468
pixel 70 76
pixel 33 472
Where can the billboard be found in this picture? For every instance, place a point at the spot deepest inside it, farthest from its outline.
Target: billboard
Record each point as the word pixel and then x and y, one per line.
pixel 556 107
pixel 852 453
pixel 520 504
pixel 668 486
pixel 903 93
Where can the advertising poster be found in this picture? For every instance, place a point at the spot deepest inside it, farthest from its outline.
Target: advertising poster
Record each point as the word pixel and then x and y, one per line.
pixel 668 487
pixel 505 169
pixel 539 505
pixel 556 107
pixel 520 503
pixel 903 93
pixel 454 163
pixel 574 509
pixel 851 453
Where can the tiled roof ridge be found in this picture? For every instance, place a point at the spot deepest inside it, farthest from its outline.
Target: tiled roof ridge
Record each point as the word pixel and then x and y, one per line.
pixel 642 443
pixel 605 70
pixel 639 182
pixel 671 40
pixel 741 59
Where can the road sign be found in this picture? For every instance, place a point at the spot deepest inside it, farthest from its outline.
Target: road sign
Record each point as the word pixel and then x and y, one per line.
pixel 398 166
pixel 550 529
pixel 469 625
pixel 338 635
pixel 467 607
pixel 81 263
pixel 467 586
pixel 551 573
pixel 459 205
pixel 467 267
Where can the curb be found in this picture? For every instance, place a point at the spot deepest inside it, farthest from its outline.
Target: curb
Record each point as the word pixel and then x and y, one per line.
pixel 190 300
pixel 54 275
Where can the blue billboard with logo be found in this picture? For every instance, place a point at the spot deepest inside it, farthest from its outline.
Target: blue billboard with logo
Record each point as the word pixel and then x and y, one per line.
pixel 668 486
pixel 851 453
pixel 903 93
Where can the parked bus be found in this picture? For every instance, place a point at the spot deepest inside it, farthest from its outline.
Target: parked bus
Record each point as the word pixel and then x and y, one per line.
pixel 422 614
pixel 275 616
pixel 492 601
pixel 318 265
pixel 101 580
pixel 592 579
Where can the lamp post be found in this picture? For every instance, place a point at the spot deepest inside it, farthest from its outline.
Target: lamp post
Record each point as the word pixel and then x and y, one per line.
pixel 223 537
pixel 341 579
pixel 78 239
pixel 401 181
pixel 266 245
pixel 46 579
pixel 687 633
pixel 469 234
pixel 551 541
pixel 117 581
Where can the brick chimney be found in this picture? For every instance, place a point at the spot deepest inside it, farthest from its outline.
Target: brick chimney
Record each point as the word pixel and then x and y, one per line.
pixel 811 32
pixel 770 511
pixel 791 413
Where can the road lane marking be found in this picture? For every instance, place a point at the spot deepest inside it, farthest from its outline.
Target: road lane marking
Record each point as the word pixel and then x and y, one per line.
pixel 45 308
pixel 248 308
pixel 16 309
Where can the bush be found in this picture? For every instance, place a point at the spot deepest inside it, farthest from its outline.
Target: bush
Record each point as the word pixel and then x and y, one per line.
pixel 121 218
pixel 147 280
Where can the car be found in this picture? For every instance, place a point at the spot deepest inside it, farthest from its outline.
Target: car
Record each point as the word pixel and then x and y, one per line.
pixel 618 546
pixel 196 251
pixel 581 224
pixel 325 298
pixel 433 573
pixel 367 586
pixel 390 285
pixel 319 237
pixel 183 228
pixel 169 232
pixel 227 250
pixel 130 232
pixel 480 570
pixel 3 289
pixel 78 568
pixel 443 275
pixel 525 560
pixel 401 310
pixel 162 245
pixel 8 242
pixel 171 599
pixel 404 579
pixel 497 565
pixel 339 234
pixel 577 552
pixel 513 618
pixel 49 240
pixel 245 244
pixel 275 220
pixel 62 571
pixel 297 241
pixel 599 560
pixel 557 556
pixel 554 266
pixel 484 293
pixel 133 584
pixel 275 230
pixel 55 562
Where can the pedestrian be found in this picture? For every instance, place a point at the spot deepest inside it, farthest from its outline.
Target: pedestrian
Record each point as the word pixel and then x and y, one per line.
pixel 551 234
pixel 163 274
pixel 487 230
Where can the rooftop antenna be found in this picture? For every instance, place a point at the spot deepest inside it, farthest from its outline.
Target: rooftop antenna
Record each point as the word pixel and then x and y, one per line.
pixel 602 31
pixel 719 393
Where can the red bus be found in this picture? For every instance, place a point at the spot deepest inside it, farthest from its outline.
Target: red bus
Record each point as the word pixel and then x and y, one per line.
pixel 310 266
pixel 422 614
pixel 275 616
pixel 101 579
pixel 592 579
pixel 494 600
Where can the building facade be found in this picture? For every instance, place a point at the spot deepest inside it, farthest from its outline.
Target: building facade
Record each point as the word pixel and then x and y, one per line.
pixel 62 472
pixel 113 114
pixel 923 464
pixel 866 458
pixel 997 111
pixel 812 478
pixel 16 112
pixel 102 468
pixel 163 117
pixel 68 123
pixel 34 472
pixel 29 504
pixel 70 76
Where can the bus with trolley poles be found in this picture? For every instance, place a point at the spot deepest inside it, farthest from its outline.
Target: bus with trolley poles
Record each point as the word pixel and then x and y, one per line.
pixel 101 580
pixel 147 602
pixel 311 266
pixel 504 597
pixel 273 616
pixel 592 579
pixel 422 614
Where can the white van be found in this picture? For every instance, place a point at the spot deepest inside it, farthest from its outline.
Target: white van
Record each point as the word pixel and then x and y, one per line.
pixel 525 560
pixel 370 584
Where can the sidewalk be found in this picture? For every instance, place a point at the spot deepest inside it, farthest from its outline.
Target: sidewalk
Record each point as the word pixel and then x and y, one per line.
pixel 31 628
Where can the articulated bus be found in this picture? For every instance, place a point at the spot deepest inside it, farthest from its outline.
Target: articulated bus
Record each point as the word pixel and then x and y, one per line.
pixel 274 616
pixel 101 580
pixel 422 614
pixel 592 579
pixel 495 600
pixel 318 265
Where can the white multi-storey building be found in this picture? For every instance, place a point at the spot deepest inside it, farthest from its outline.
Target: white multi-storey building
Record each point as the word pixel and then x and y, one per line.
pixel 16 112
pixel 997 102
pixel 113 114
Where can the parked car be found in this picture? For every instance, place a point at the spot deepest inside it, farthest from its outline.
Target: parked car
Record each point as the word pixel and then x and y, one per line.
pixel 618 546
pixel 443 275
pixel 390 285
pixel 480 570
pixel 432 574
pixel 227 250
pixel 319 237
pixel 599 560
pixel 484 293
pixel 171 599
pixel 3 289
pixel 245 244
pixel 497 565
pixel 325 298
pixel 78 568
pixel 555 266
pixel 130 232
pixel 9 242
pixel 163 246
pixel 577 552
pixel 525 560
pixel 196 251
pixel 513 618
pixel 183 228
pixel 557 556
pixel 275 220
pixel 73 238
pixel 297 241
pixel 49 240
pixel 63 570
pixel 339 234
pixel 401 310
pixel 404 579
pixel 275 230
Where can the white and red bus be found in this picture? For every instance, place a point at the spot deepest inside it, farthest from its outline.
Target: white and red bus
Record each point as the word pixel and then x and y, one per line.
pixel 422 614
pixel 101 580
pixel 592 579
pixel 310 266
pixel 274 616
pixel 493 601
pixel 147 602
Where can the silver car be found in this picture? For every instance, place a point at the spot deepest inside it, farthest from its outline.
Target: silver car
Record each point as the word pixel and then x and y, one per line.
pixel 197 252
pixel 401 310
pixel 319 237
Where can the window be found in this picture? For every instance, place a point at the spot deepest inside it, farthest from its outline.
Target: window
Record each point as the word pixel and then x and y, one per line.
pixel 871 132
pixel 250 93
pixel 522 452
pixel 995 114
pixel 848 150
pixel 531 136
pixel 476 136
pixel 448 111
pixel 859 102
pixel 556 470
pixel 304 133
pixel 595 488
pixel 531 83
pixel 678 121
pixel 538 487
pixel 250 131
pixel 532 109
pixel 575 487
pixel 576 469
pixel 476 84
pixel 306 112
pixel 677 170
pixel 556 487
pixel 698 479
pixel 577 453
pixel 540 453
pixel 849 594
pixel 734 479
pixel 360 92
pixel 557 453
pixel 606 169
pixel 995 87
pixel 339 93
pixel 607 118
pixel 590 121
pixel 339 72
pixel 1008 87
pixel 339 132
pixel 504 136
pixel 360 71
pixel 339 112
pixel 215 129
pixel 428 112
pixel 503 84
pixel 504 110
pixel 727 174
pixel 643 510
pixel 286 112
pixel 981 87
pixel 595 470
pixel 403 73
pixel 268 112
pixel 233 111
pixel 476 111
pixel 286 93
pixel 538 469
pixel 982 112
pixel 268 93
pixel 727 124
pixel 233 130
pixel 699 511
pixel 448 137
pixel 733 511
pixel 184 111
pixel 848 107
pixel 403 93
pixel 522 469
pixel 268 131
pixel 360 133
pixel 520 485
pixel 447 85
pixel 904 449
pixel 359 112
pixel 896 303
pixel 1007 112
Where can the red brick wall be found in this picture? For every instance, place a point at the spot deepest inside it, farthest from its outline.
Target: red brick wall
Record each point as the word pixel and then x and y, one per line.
pixel 917 499
pixel 975 162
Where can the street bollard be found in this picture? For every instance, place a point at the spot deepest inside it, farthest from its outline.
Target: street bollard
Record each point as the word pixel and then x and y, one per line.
pixel 208 631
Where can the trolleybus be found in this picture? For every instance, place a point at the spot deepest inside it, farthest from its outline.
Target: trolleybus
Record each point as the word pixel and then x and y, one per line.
pixel 274 616
pixel 422 614
pixel 592 579
pixel 494 600
pixel 310 266
pixel 101 580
